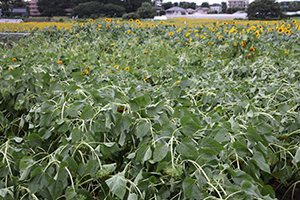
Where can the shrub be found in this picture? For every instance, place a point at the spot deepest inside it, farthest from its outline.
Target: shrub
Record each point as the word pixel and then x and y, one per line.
pixel 131 15
pixel 146 11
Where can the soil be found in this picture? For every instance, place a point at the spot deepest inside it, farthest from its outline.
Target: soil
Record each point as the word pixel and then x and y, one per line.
pixel 287 192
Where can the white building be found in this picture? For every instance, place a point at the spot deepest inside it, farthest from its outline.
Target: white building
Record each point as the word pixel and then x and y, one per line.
pixel 217 8
pixel 176 11
pixel 237 4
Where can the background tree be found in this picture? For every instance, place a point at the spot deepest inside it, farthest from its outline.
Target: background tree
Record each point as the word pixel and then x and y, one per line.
pixel 186 5
pixel 167 5
pixel 263 9
pixel 175 4
pixel 52 7
pixel 133 5
pixel 205 4
pixel 96 9
pixel 5 6
pixel 224 7
pixel 233 10
pixel 146 11
pixel 19 4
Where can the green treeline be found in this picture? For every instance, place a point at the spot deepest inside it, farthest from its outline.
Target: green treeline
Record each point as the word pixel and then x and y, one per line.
pixel 89 8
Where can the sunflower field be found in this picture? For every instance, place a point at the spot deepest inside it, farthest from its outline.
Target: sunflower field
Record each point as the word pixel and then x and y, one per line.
pixel 185 109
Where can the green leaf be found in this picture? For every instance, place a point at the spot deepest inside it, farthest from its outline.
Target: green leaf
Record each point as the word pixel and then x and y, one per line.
pixel 264 128
pixel 70 193
pixel 117 184
pixel 212 144
pixel 261 161
pixel 187 148
pixel 296 159
pixel 284 108
pixel 142 129
pixel 132 196
pixel 190 188
pixel 88 112
pixel 160 152
pixel 152 110
pixel 25 167
pixel 5 191
pixel 142 100
pixel 144 153
pixel 250 189
pixel 175 92
pixel 92 167
pixel 189 126
pixel 253 134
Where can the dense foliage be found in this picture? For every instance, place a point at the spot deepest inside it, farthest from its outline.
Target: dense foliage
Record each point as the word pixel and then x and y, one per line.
pixel 146 11
pixel 96 9
pixel 264 9
pixel 88 8
pixel 131 110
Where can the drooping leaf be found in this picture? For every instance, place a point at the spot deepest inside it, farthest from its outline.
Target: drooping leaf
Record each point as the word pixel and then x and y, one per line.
pixel 142 129
pixel 187 148
pixel 88 112
pixel 160 152
pixel 190 188
pixel 117 184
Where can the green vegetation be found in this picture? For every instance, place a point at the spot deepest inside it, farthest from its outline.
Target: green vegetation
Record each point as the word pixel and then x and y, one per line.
pixel 115 110
pixel 264 9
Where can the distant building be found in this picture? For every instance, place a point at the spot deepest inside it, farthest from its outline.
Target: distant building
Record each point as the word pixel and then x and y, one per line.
pixel 190 10
pixel 216 7
pixel 202 10
pixel 21 11
pixel 176 11
pixel 16 11
pixel 237 4
pixel 34 8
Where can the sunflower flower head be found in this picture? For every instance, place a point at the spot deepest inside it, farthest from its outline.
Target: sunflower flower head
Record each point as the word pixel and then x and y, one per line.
pixel 243 43
pixel 14 59
pixel 127 68
pixel 60 62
